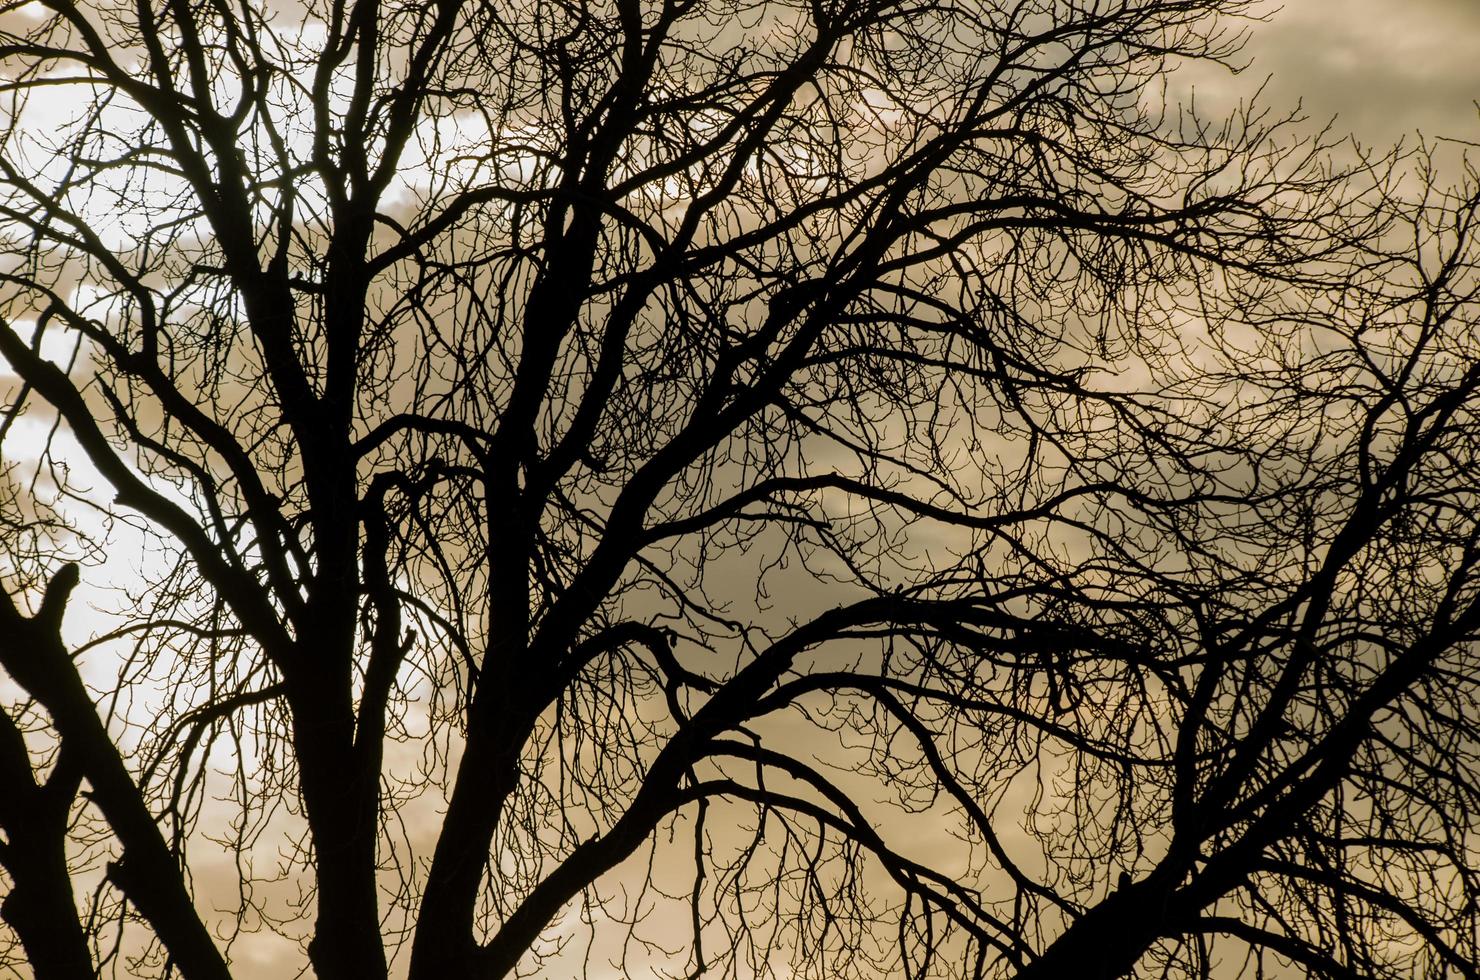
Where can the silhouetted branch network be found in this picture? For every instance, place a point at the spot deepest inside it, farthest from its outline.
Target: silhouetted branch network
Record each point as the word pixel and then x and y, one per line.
pixel 734 489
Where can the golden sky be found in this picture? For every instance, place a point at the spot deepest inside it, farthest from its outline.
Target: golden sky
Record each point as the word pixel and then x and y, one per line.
pixel 1383 68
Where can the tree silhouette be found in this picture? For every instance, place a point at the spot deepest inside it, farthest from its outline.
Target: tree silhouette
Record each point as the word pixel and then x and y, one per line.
pixel 723 488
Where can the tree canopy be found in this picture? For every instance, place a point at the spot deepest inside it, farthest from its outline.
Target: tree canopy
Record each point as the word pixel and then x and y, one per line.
pixel 723 488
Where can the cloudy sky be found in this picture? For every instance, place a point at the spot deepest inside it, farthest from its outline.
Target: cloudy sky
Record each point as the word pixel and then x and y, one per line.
pixel 1384 68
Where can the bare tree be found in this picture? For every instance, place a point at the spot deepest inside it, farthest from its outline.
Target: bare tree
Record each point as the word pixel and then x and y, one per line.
pixel 722 488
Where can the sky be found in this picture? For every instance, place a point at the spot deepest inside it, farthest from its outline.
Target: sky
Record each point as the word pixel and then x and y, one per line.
pixel 1383 69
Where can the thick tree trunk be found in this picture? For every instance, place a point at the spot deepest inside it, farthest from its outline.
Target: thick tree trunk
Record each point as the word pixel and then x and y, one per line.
pixel 43 912
pixel 1108 940
pixel 341 803
pixel 40 906
pixel 444 946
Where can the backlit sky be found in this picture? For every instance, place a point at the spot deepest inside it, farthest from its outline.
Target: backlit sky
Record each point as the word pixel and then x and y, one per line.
pixel 1383 68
